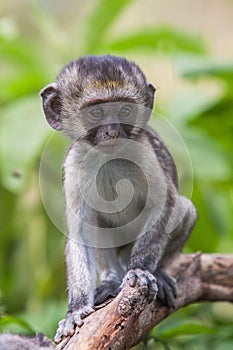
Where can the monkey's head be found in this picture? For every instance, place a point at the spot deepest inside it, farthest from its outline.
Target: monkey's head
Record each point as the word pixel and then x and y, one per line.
pixel 99 98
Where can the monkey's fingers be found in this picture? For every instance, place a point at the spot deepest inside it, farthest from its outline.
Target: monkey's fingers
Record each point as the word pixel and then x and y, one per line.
pixel 61 331
pixel 84 312
pixel 131 278
pixel 66 327
pixel 107 290
pixel 147 282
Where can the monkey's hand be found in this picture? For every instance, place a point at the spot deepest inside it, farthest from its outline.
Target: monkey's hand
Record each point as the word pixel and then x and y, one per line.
pixel 167 292
pixel 107 289
pixel 74 318
pixel 147 282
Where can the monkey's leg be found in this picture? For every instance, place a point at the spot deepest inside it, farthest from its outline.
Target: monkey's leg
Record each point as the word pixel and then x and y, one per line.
pixel 179 227
pixel 182 220
pixel 110 275
pixel 167 290
pixel 81 277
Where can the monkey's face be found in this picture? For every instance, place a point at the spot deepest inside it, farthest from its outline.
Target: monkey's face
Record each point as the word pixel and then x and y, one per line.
pixel 107 123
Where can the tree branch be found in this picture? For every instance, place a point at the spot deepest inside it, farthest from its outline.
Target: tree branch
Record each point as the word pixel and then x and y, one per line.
pixel 125 321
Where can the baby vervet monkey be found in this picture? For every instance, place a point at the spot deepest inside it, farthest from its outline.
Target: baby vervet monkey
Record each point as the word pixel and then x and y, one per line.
pixel 125 217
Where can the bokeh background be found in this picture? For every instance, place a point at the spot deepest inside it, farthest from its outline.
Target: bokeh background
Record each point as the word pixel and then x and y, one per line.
pixel 186 50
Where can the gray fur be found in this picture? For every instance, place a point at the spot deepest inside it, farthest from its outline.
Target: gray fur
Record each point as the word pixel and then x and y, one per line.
pixel 167 223
pixel 17 342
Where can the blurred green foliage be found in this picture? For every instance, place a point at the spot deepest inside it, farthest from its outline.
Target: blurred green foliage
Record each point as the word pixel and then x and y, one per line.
pixel 32 276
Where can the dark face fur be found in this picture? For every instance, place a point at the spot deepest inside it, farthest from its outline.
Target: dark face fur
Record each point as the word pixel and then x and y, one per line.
pixel 99 98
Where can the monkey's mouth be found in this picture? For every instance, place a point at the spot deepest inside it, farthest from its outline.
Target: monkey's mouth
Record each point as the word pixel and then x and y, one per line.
pixel 111 146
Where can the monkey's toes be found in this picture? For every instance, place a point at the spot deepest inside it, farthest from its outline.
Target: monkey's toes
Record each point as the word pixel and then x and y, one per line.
pixel 147 282
pixel 66 327
pixel 107 290
pixel 167 288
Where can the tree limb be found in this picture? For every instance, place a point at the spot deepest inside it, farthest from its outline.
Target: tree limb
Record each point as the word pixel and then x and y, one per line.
pixel 126 320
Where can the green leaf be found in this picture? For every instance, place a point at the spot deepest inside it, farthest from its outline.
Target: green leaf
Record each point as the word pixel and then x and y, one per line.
pixel 219 114
pixel 196 67
pixel 186 106
pixel 22 82
pixel 46 318
pixel 18 51
pixel 185 329
pixel 20 55
pixel 22 71
pixel 228 345
pixel 100 19
pixel 166 40
pixel 22 133
pixel 8 321
pixel 210 162
pixel 210 241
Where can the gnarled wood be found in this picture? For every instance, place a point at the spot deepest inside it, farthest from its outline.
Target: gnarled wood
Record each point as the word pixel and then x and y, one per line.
pixel 125 321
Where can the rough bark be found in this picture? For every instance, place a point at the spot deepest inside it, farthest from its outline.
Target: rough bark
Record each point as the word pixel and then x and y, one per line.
pixel 127 319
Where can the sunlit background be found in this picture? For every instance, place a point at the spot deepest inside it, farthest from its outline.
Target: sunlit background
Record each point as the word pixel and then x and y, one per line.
pixel 185 49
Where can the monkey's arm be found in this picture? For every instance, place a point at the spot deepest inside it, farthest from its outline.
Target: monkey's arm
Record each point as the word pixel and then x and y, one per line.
pixel 159 246
pixel 145 257
pixel 80 258
pixel 80 279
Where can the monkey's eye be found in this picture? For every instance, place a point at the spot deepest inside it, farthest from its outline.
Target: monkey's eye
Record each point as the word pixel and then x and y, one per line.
pixel 125 112
pixel 97 112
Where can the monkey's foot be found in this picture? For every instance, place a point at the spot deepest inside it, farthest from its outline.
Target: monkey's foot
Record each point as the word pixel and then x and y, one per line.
pixel 107 290
pixel 147 282
pixel 167 288
pixel 66 327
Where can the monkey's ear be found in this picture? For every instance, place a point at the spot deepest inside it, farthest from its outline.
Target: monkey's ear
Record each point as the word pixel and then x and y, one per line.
pixel 52 105
pixel 150 95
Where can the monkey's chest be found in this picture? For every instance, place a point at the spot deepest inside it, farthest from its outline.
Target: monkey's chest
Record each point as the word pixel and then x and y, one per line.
pixel 121 194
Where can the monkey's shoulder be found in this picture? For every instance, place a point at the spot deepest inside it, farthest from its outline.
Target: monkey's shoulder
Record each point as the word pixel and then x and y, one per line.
pixel 157 147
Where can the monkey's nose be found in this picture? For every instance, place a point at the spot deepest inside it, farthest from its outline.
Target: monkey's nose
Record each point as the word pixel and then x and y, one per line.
pixel 112 133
